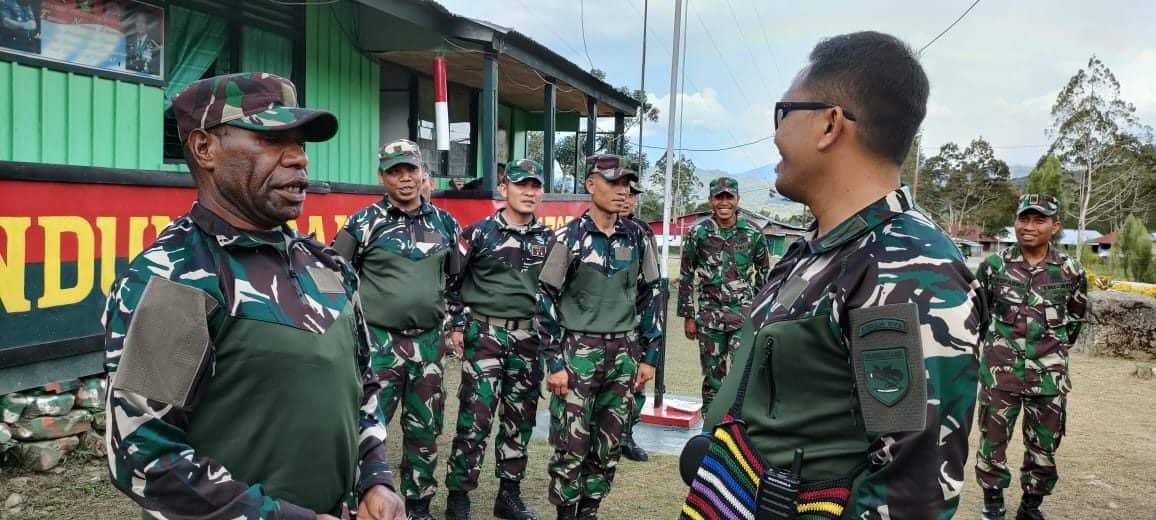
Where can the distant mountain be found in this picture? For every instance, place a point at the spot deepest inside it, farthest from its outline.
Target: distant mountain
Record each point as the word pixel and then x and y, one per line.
pixel 754 186
pixel 1020 170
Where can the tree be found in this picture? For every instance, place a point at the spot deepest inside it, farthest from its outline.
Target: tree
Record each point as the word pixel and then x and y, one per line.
pixel 1091 128
pixel 684 183
pixel 907 172
pixel 1047 178
pixel 968 187
pixel 1133 249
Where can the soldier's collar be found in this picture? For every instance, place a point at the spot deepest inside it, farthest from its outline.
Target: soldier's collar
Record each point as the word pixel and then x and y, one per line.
pixel 619 224
pixel 533 225
pixel 228 236
pixel 1016 254
pixel 424 208
pixel 868 218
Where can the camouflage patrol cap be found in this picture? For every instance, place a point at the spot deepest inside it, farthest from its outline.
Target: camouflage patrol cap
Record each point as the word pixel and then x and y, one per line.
pixel 611 167
pixel 256 101
pixel 401 151
pixel 1045 204
pixel 635 188
pixel 724 185
pixel 523 170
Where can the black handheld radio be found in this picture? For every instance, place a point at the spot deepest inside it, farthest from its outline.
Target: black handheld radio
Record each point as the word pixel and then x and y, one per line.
pixel 779 490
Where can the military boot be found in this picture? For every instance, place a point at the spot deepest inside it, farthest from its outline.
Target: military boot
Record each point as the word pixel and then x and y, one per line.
pixel 993 508
pixel 508 504
pixel 417 509
pixel 1030 507
pixel 458 506
pixel 631 450
pixel 588 508
pixel 567 512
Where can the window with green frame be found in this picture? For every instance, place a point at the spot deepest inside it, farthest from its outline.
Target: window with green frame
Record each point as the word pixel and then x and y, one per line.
pixel 206 39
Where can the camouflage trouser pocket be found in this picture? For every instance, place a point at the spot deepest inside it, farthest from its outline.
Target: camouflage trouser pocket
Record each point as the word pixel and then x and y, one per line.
pixel 559 426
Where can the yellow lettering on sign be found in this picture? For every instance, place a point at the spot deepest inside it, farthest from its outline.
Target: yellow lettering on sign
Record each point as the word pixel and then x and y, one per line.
pixel 107 228
pixel 12 265
pixel 54 229
pixel 136 229
pixel 340 221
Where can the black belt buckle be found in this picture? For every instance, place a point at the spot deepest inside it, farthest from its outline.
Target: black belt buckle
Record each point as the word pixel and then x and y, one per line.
pixel 778 492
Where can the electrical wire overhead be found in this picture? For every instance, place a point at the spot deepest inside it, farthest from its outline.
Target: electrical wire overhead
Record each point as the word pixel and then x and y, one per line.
pixel 928 44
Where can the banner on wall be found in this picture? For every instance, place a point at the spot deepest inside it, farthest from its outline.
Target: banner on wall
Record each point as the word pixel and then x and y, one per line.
pixel 122 36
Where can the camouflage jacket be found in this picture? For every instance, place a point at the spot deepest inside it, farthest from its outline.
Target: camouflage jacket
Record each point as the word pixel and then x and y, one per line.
pixel 579 243
pixel 423 234
pixel 520 248
pixel 165 321
pixel 728 265
pixel 888 253
pixel 1037 312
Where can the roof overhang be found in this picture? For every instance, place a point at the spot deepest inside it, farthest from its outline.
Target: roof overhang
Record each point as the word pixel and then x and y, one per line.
pixel 524 65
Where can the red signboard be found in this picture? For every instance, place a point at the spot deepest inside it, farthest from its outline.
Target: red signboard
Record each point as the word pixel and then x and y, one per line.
pixel 62 244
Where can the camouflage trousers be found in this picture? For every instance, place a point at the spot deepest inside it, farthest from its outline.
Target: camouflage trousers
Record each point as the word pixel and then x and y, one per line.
pixel 586 426
pixel 410 369
pixel 715 350
pixel 636 413
pixel 500 373
pixel 1043 428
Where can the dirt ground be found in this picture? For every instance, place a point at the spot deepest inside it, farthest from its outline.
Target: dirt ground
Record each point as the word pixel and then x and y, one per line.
pixel 1105 462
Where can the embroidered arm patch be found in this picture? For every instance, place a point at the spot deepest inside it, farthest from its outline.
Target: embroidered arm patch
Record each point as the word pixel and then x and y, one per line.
pixel 167 344
pixel 887 357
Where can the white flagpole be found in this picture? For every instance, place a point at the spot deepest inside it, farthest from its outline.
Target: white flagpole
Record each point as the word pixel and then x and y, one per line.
pixel 671 120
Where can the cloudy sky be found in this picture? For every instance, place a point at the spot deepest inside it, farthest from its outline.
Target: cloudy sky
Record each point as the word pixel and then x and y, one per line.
pixel 995 74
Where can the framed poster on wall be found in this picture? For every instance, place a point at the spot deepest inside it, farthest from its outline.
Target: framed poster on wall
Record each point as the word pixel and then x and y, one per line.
pixel 120 37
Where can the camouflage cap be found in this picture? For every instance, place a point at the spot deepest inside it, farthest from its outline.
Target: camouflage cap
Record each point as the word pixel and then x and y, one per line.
pixel 401 151
pixel 256 101
pixel 523 170
pixel 724 185
pixel 635 188
pixel 1045 204
pixel 611 167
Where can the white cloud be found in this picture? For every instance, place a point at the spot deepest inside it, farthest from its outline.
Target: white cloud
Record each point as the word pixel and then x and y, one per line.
pixel 699 109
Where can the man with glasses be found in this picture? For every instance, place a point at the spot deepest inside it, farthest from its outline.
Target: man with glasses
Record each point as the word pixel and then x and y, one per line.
pixel 1038 298
pixel 598 318
pixel 404 250
pixel 864 335
pixel 726 258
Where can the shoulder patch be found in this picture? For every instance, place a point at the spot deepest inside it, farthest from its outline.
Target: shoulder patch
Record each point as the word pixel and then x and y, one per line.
pixel 556 265
pixel 887 358
pixel 167 344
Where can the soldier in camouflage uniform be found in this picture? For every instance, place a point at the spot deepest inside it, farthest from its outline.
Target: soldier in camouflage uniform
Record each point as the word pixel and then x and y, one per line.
pixel 598 318
pixel 237 353
pixel 630 449
pixel 862 341
pixel 492 309
pixel 1038 298
pixel 726 258
pixel 404 250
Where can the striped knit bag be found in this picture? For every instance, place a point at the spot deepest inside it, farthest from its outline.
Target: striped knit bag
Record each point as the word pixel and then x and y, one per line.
pixel 726 484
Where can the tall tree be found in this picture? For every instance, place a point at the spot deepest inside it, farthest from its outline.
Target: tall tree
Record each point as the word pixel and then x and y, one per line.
pixel 968 187
pixel 1091 128
pixel 915 160
pixel 684 183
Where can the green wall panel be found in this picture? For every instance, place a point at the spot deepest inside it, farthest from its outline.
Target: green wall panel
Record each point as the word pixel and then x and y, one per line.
pixel 56 117
pixel 339 79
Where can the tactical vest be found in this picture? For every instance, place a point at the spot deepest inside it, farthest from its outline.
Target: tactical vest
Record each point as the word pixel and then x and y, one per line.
pixel 493 288
pixel 595 303
pixel 281 409
pixel 802 396
pixel 403 294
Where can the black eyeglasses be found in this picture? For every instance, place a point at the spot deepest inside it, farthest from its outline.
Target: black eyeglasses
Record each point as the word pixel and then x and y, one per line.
pixel 782 108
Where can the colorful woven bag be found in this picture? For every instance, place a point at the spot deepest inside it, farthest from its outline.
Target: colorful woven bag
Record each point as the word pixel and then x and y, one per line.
pixel 724 484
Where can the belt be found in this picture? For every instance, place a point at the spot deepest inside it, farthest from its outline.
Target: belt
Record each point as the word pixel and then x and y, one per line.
pixel 603 335
pixel 505 323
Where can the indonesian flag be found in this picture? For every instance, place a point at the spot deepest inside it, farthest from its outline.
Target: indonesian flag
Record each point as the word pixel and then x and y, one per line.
pixel 441 104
